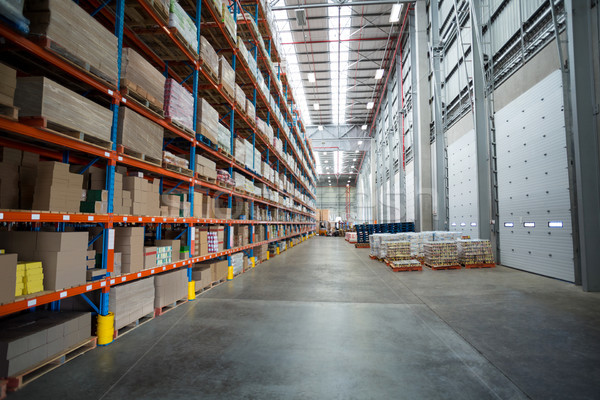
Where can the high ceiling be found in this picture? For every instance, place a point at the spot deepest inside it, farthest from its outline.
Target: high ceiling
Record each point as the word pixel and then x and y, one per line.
pixel 338 57
pixel 339 168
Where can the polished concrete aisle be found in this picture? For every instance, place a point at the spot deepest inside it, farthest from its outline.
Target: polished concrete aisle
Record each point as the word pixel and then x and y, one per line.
pixel 322 321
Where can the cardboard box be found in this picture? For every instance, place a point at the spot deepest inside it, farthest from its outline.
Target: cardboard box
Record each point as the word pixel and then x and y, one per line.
pixel 8 277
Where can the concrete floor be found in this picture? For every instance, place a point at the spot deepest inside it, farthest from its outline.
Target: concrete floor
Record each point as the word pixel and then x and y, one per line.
pixel 322 321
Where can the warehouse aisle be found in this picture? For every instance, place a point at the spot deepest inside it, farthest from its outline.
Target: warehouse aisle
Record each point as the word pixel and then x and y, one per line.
pixel 322 321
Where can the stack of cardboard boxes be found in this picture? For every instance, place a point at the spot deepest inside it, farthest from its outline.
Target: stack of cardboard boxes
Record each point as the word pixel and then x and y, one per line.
pixel 129 241
pixel 149 257
pixel 170 287
pixel 170 205
pixel 240 237
pixel 29 339
pixel 18 172
pixel 202 274
pixel 8 277
pixel 163 255
pixel 8 84
pixel 200 242
pixel 57 189
pixel 174 245
pixel 131 301
pixel 30 278
pixel 144 195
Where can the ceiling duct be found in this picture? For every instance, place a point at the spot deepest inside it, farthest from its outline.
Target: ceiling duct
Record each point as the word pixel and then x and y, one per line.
pixel 301 17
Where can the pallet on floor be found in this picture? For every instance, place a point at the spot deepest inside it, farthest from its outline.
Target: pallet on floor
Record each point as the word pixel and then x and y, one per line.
pixel 362 245
pixel 444 267
pixel 58 129
pixel 161 310
pixel 141 157
pixel 18 381
pixel 132 325
pixel 468 266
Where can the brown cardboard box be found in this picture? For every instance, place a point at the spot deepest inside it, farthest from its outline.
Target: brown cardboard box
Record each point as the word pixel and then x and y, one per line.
pixel 8 84
pixel 8 277
pixel 9 186
pixel 219 270
pixel 62 269
pixel 150 257
pixel 201 273
pixel 62 241
pixel 175 246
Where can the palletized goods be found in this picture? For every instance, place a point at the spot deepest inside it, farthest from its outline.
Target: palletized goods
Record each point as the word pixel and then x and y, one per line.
pixel 439 254
pixel 475 251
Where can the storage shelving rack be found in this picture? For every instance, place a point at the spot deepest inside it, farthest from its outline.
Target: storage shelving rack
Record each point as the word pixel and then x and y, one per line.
pixel 299 220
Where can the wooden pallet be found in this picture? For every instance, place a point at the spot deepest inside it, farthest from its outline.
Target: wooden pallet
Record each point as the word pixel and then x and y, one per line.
pixel 225 154
pixel 163 46
pixel 468 266
pixel 362 246
pixel 9 112
pixel 136 16
pixel 443 267
pixel 161 310
pixel 43 123
pixel 18 381
pixel 177 169
pixel 213 76
pixel 404 269
pixel 225 185
pixel 134 93
pixel 136 154
pixel 132 325
pixel 207 179
pixel 78 62
pixel 179 125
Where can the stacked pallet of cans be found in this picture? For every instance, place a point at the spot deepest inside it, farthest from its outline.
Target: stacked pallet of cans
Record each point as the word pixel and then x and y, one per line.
pixel 475 251
pixel 441 254
pixel 397 250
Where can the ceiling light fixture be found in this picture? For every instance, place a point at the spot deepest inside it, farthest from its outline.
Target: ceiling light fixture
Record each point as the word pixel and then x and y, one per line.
pixel 378 74
pixel 320 127
pixel 370 105
pixel 360 142
pixel 364 128
pixel 311 77
pixel 354 159
pixel 316 106
pixel 356 151
pixel 395 14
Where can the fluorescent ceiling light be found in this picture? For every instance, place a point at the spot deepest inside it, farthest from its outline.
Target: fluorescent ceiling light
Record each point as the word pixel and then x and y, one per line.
pixel 356 151
pixel 324 153
pixel 555 224
pixel 348 181
pixel 364 128
pixel 378 74
pixel 316 106
pixel 370 105
pixel 311 77
pixel 395 14
pixel 320 127
pixel 354 159
pixel 360 142
pixel 326 161
pixel 330 184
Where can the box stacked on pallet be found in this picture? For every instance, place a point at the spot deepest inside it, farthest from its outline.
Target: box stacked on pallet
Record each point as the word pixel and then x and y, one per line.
pixel 445 236
pixel 75 35
pixel 149 257
pixel 144 195
pixel 172 203
pixel 205 167
pixel 8 85
pixel 240 97
pixel 209 58
pixel 179 104
pixel 237 261
pixel 229 21
pixel 213 242
pixel 397 250
pixel 10 285
pixel 30 339
pixel 226 77
pixel 140 77
pixel 440 254
pixel 140 136
pixel 250 110
pixel 475 251
pixel 171 159
pixel 224 138
pixel 180 20
pixel 418 242
pixel 240 150
pixel 207 121
pixel 62 109
pixel 132 301
pixel 200 242
pixel 129 241
pixel 163 255
pixel 170 287
pixel 242 49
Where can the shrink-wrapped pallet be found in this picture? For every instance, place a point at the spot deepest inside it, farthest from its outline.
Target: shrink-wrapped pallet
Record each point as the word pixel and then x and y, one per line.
pixel 240 97
pixel 170 287
pixel 475 251
pixel 139 76
pixel 227 19
pixel 440 254
pixel 207 121
pixel 41 97
pixel 250 110
pixel 224 138
pixel 242 49
pixel 76 35
pixel 172 159
pixel 139 134
pixel 260 125
pixel 226 77
pixel 209 58
pixel 186 27
pixel 179 104
pixel 240 150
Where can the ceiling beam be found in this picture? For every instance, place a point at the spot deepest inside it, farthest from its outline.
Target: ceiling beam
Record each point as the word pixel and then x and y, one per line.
pixel 346 4
pixel 340 40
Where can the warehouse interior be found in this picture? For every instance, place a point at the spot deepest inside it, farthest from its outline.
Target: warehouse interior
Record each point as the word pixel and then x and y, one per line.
pixel 300 199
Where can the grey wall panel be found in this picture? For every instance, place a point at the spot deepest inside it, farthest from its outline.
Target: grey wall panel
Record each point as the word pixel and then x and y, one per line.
pixel 462 173
pixel 533 182
pixel 410 191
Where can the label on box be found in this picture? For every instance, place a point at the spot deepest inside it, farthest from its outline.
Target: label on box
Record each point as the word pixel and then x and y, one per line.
pixel 111 239
pixel 63 295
